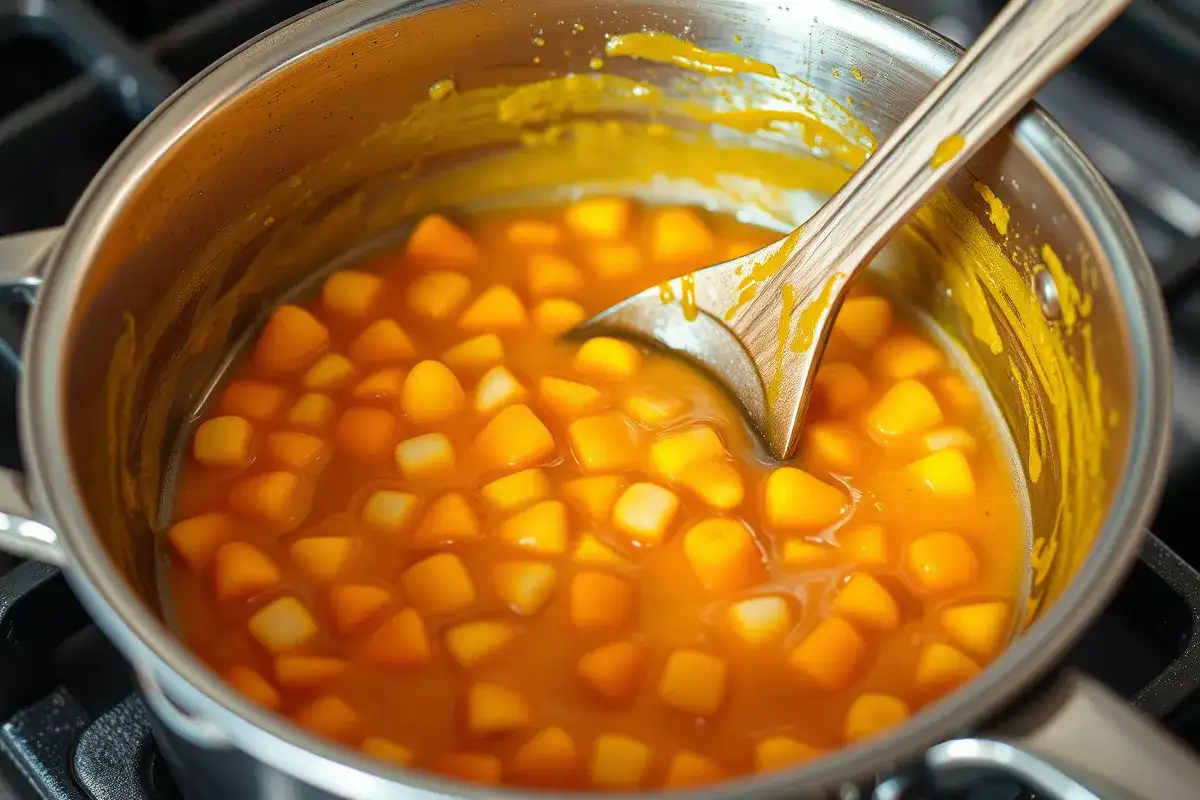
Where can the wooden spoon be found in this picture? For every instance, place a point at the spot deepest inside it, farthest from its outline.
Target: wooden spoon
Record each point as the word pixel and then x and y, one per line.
pixel 759 323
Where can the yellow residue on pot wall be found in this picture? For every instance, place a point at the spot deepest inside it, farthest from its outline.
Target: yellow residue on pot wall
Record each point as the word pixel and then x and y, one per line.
pixel 726 131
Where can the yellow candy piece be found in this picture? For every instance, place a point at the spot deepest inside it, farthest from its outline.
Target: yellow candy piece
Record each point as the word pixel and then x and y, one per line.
pixel 608 359
pixel 674 452
pixel 497 309
pixel 387 750
pixel 599 217
pixel 517 490
pixel 864 600
pixel 542 528
pixel 945 474
pixel 241 570
pixel 439 585
pixel 532 233
pixel 644 512
pixel 402 641
pixel 481 768
pixel 864 320
pixel 323 558
pixel 493 709
pixel 840 388
pixel 599 601
pixel 497 388
pixel 619 762
pixel 556 315
pixel 830 655
pixel 942 562
pixel 613 671
pixel 353 605
pixel 389 510
pixel 425 456
pixel 718 484
pixel 330 373
pixel 515 438
pixel 569 400
pixel 223 443
pixel 615 261
pixel 690 769
pixel 778 752
pixel 591 550
pixel 473 643
pixel 196 539
pixel 908 407
pixel 835 446
pixel 383 342
pixel 822 505
pixel 979 628
pixel 593 497
pixel 282 625
pixel 548 759
pixel 652 408
pixel 525 585
pixel 438 295
pixel 312 411
pixel 942 667
pixel 431 394
pixel 448 519
pixel 864 544
pixel 723 555
pixel 760 621
pixel 438 242
pixel 871 714
pixel 606 442
pixel 352 294
pixel 474 354
pixel 383 384
pixel 678 235
pixel 549 275
pixel 693 682
pixel 291 341
pixel 908 356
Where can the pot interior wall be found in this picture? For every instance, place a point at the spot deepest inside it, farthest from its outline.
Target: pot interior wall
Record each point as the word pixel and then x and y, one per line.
pixel 344 145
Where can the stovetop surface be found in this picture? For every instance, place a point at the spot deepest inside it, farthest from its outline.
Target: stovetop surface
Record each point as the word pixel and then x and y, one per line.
pixel 71 726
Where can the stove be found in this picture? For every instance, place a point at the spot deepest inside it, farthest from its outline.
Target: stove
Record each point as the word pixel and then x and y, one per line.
pixel 79 75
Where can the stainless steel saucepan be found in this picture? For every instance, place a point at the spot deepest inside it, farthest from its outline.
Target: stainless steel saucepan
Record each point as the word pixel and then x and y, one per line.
pixel 274 162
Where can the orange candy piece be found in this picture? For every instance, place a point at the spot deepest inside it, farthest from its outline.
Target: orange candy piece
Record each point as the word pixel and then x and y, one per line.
pixel 195 539
pixel 365 433
pixel 613 670
pixel 723 555
pixel 831 654
pixel 514 438
pixel 401 641
pixel 438 242
pixel 353 605
pixel 291 341
pixel 242 570
pixel 382 342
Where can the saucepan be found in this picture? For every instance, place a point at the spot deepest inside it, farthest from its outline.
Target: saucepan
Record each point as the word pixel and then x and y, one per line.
pixel 321 134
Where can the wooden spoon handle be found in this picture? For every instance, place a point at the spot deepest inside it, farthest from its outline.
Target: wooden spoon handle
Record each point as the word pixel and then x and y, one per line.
pixel 1023 46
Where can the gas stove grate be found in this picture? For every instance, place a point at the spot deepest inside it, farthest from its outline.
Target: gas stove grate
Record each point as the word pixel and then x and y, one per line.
pixel 98 68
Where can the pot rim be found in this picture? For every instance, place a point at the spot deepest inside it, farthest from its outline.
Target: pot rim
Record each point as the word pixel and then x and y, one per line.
pixel 155 652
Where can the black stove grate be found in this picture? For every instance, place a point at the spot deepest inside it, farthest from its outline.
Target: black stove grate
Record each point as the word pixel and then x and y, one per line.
pixel 71 724
pixel 97 68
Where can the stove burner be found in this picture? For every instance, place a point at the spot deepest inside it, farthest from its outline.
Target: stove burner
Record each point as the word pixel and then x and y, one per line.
pixel 71 726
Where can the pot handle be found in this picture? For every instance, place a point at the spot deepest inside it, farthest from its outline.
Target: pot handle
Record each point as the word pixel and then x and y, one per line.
pixel 22 257
pixel 189 727
pixel 1075 741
